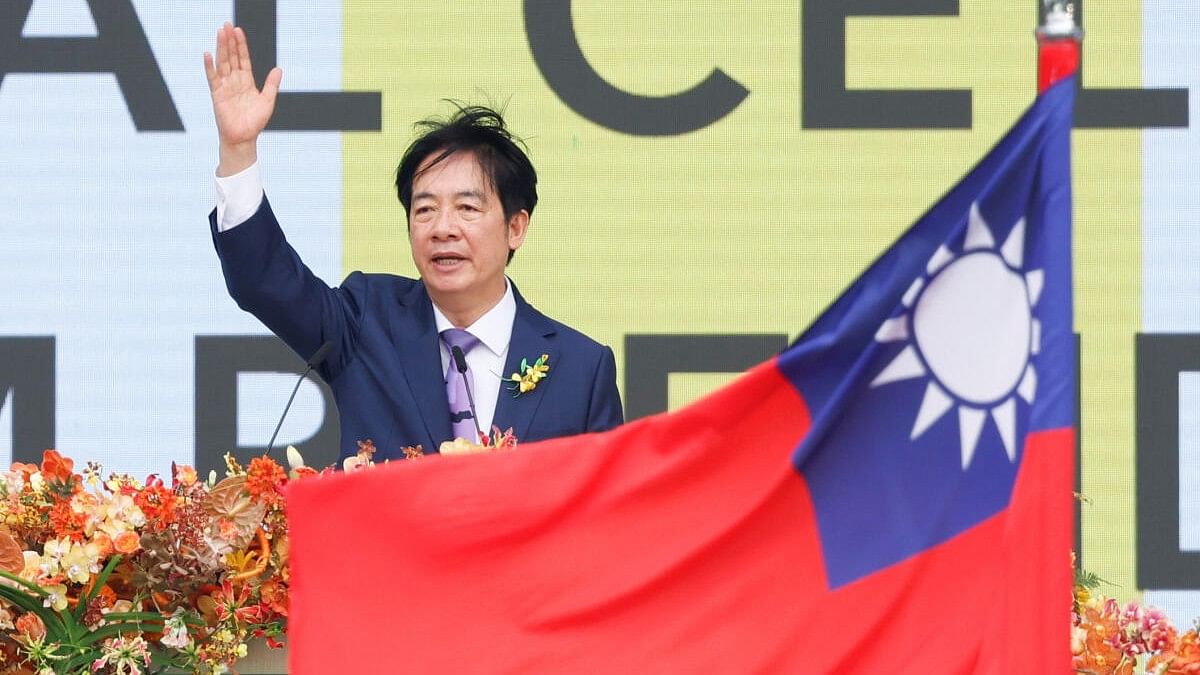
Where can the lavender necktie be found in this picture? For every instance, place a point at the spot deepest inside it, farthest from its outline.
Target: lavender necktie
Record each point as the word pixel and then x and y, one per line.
pixel 461 420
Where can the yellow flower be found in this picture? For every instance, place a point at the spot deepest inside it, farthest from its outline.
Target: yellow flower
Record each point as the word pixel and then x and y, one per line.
pixel 460 446
pixel 119 481
pixel 81 562
pixel 32 566
pixel 121 513
pixel 52 553
pixel 240 561
pixel 56 597
pixel 530 374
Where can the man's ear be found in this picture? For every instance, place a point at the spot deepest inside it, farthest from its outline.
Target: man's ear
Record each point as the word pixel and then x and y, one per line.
pixel 518 226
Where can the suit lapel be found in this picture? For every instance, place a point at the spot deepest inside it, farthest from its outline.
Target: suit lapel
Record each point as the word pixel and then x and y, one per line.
pixel 531 337
pixel 420 359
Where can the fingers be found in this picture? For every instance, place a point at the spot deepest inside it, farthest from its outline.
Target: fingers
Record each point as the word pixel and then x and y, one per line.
pixel 210 70
pixel 224 50
pixel 271 86
pixel 243 50
pixel 232 57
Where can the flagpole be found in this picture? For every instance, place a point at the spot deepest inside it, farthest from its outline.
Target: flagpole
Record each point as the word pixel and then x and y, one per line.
pixel 1059 38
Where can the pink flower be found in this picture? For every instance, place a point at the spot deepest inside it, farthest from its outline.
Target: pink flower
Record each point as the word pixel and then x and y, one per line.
pixel 1141 630
pixel 123 655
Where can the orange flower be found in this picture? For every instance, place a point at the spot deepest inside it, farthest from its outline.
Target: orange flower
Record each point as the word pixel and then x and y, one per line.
pixel 26 469
pixel 305 472
pixel 1184 659
pixel 127 542
pixel 31 626
pixel 275 596
pixel 12 556
pixel 66 521
pixel 264 477
pixel 107 595
pixel 1099 654
pixel 55 467
pixel 104 542
pixel 183 474
pixel 157 502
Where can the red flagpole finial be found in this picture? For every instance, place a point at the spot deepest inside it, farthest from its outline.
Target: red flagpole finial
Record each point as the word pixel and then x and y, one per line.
pixel 1058 39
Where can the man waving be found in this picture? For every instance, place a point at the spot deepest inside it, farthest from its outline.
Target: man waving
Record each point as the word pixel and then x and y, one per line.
pixel 411 361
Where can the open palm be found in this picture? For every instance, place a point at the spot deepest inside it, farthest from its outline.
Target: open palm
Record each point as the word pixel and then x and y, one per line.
pixel 241 110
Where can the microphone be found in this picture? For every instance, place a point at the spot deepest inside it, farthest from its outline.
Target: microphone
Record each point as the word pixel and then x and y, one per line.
pixel 313 362
pixel 460 364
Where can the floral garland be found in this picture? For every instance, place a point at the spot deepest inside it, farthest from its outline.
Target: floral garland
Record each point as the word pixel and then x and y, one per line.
pixel 122 576
pixel 1110 639
pixel 117 575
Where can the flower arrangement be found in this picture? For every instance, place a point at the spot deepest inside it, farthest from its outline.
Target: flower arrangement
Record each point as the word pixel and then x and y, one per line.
pixel 1108 638
pixel 117 575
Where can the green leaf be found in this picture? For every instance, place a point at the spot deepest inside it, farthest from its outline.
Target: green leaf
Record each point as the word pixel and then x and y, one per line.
pixel 1089 580
pixel 113 630
pixel 75 629
pixel 56 627
pixel 149 617
pixel 34 588
pixel 82 661
pixel 22 600
pixel 81 607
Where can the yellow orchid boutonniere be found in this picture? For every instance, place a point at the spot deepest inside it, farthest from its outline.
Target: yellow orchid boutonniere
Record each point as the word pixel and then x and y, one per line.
pixel 528 377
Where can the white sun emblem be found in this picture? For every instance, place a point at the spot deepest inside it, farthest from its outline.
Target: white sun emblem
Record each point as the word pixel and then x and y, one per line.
pixel 969 326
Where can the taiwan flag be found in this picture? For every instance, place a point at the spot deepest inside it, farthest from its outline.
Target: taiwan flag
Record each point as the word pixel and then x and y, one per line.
pixel 891 494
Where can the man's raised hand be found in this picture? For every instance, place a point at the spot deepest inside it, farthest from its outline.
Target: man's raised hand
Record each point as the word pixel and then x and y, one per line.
pixel 241 110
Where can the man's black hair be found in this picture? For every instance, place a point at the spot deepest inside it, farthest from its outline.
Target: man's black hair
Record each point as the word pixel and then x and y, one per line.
pixel 480 131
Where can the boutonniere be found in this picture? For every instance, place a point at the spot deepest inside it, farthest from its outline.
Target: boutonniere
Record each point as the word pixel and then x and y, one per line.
pixel 528 377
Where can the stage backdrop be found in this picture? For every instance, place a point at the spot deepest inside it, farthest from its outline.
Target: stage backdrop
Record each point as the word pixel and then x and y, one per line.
pixel 711 176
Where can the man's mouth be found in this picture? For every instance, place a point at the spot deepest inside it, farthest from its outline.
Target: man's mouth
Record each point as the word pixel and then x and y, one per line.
pixel 447 261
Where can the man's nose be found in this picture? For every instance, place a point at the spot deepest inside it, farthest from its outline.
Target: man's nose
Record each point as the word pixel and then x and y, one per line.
pixel 445 225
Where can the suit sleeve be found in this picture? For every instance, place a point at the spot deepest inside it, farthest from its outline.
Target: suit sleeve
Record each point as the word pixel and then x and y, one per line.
pixel 604 408
pixel 266 277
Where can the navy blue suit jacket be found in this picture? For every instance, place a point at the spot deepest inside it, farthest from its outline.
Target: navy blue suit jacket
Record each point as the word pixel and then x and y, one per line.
pixel 385 363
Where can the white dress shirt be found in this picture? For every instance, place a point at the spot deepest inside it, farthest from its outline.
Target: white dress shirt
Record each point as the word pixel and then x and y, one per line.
pixel 240 195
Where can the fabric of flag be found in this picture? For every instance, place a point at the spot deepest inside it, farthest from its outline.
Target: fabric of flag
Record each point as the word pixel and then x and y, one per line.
pixel 891 494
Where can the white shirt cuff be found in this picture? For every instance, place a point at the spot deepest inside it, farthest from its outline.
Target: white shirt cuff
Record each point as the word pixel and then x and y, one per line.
pixel 238 197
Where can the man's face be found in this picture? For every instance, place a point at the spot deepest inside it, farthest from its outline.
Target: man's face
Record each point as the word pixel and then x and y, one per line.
pixel 460 239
